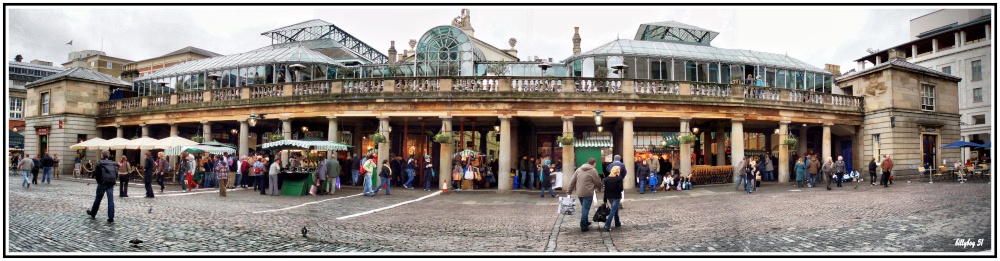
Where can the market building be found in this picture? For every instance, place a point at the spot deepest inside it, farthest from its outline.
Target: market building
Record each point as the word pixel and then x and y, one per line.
pixel 20 74
pixel 667 93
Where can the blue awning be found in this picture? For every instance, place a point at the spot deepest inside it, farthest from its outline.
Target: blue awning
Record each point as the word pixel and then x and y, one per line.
pixel 16 140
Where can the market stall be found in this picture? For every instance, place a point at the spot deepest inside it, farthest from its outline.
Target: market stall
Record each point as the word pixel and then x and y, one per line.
pixel 295 181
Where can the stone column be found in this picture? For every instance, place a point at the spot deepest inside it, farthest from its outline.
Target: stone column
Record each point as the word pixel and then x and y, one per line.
pixel 783 173
pixel 568 155
pixel 957 43
pixel 121 134
pixel 286 131
pixel 503 178
pixel 737 141
pixel 913 48
pixel 934 45
pixel 720 146
pixel 206 131
pixel 142 152
pixel 173 159
pixel 383 148
pixel 628 151
pixel 684 159
pixel 446 151
pixel 827 146
pixel 244 149
pixel 334 131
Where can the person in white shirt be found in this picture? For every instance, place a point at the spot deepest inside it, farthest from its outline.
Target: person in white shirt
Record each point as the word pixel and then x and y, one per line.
pixel 272 177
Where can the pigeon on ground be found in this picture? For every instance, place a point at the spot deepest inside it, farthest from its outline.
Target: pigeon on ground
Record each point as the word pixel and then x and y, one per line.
pixel 304 231
pixel 135 241
pixel 150 209
pixel 88 184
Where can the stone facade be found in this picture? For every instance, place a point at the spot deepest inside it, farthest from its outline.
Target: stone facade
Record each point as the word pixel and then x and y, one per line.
pixel 72 102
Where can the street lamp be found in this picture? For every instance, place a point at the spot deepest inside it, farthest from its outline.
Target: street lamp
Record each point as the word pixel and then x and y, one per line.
pixel 600 128
pixel 694 130
pixel 215 78
pixel 777 131
pixel 598 117
pixel 544 67
pixel 234 131
pixel 305 129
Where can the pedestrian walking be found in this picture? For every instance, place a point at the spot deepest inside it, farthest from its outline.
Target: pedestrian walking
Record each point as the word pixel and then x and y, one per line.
pixel 182 170
pixel 105 186
pixel 192 168
pixel 546 178
pixel 37 161
pixel 369 167
pixel 886 170
pixel 396 165
pixel 55 164
pixel 208 166
pixel 162 166
pixel 828 171
pixel 584 182
pixel 752 172
pixel 642 176
pixel 123 170
pixel 47 164
pixel 872 169
pixel 262 170
pixel 272 177
pixel 428 172
pixel 813 168
pixel 800 172
pixel 410 167
pixel 740 171
pixel 26 165
pixel 385 176
pixel 149 168
pixel 613 189
pixel 222 174
pixel 332 173
pixel 840 168
pixel 355 169
pixel 768 168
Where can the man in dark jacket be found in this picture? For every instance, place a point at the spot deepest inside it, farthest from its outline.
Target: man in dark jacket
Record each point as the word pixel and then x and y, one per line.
pixel 840 168
pixel 521 173
pixel 396 164
pixel 105 188
pixel 147 174
pixel 47 164
pixel 546 178
pixel 355 169
pixel 428 172
pixel 872 169
pixel 384 175
pixel 37 160
pixel 642 173
pixel 532 171
pixel 584 182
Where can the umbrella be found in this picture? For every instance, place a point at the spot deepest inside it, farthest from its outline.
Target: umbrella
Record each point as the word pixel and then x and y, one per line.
pixel 960 144
pixel 144 143
pixel 987 145
pixel 89 144
pixel 217 144
pixel 371 151
pixel 113 144
pixel 200 148
pixel 173 141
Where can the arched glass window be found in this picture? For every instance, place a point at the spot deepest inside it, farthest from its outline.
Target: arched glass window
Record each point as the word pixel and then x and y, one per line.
pixel 233 79
pixel 446 50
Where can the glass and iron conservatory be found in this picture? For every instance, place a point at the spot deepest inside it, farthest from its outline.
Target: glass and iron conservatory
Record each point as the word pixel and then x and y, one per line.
pixel 680 52
pixel 265 66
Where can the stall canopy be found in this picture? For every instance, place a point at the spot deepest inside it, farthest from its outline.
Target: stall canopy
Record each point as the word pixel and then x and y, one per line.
pixel 144 143
pixel 173 141
pixel 88 144
pixel 305 145
pixel 467 153
pixel 960 144
pixel 987 145
pixel 16 140
pixel 217 144
pixel 200 148
pixel 113 144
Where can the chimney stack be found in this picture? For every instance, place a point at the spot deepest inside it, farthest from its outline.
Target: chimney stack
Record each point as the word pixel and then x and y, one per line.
pixel 392 52
pixel 576 40
pixel 896 54
pixel 833 68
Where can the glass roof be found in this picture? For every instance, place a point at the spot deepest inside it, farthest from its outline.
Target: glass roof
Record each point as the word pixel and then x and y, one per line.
pixel 306 24
pixel 653 49
pixel 293 54
pixel 672 31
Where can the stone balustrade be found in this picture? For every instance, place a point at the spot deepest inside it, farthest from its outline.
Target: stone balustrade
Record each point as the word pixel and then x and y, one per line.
pixel 491 84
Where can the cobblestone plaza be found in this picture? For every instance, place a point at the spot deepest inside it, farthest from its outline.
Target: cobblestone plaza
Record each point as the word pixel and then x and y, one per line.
pixel 907 217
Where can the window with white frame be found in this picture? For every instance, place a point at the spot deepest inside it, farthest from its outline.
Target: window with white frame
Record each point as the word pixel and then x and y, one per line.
pixel 109 64
pixel 977 95
pixel 946 69
pixel 927 97
pixel 16 108
pixel 45 104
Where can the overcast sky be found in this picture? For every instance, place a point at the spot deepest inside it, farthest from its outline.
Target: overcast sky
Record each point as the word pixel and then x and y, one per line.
pixel 816 35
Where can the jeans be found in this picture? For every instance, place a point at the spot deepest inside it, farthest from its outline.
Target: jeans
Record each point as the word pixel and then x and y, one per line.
pixel 354 176
pixel 383 182
pixel 749 186
pixel 239 180
pixel 409 178
pixel 206 180
pixel 769 175
pixel 615 203
pixel 585 205
pixel 183 182
pixel 26 174
pixel 642 185
pixel 427 181
pixel 104 191
pixel 147 182
pixel 531 181
pixel 272 181
pixel 47 175
pixel 812 180
pixel 520 178
pixel 740 180
pixel 368 185
pixel 550 190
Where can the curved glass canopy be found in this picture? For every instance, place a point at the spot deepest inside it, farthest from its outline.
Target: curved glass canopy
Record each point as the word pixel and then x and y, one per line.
pixel 293 54
pixel 667 50
pixel 447 50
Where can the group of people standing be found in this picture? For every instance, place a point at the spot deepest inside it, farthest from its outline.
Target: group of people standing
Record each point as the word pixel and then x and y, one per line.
pixel 32 166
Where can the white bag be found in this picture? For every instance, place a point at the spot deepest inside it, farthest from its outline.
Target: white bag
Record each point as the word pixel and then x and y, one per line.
pixel 469 174
pixel 567 205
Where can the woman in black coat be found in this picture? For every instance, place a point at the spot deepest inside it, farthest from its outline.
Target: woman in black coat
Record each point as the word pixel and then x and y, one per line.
pixel 872 169
pixel 614 185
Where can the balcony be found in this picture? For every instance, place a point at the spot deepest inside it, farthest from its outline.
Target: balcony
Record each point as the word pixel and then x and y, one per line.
pixel 512 89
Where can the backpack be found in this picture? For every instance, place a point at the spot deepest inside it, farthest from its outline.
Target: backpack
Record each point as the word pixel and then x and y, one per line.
pixel 109 172
pixel 363 171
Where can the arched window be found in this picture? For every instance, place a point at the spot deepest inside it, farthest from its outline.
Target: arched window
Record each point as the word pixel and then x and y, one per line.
pixel 446 50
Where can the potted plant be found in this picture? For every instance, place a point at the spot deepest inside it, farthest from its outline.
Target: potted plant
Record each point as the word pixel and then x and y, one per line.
pixel 565 140
pixel 276 137
pixel 442 138
pixel 790 141
pixel 197 138
pixel 686 139
pixel 377 138
pixel 601 72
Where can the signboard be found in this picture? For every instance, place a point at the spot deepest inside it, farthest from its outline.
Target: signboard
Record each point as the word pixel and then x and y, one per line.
pixel 16 140
pixel 42 131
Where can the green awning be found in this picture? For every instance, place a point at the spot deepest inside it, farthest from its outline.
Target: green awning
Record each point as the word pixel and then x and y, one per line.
pixel 305 145
pixel 16 140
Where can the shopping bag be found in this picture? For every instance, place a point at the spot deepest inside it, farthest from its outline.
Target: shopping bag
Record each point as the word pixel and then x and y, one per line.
pixel 602 213
pixel 337 183
pixel 567 205
pixel 312 190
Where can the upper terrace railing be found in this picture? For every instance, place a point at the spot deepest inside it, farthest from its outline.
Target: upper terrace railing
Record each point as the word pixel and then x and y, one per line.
pixel 641 90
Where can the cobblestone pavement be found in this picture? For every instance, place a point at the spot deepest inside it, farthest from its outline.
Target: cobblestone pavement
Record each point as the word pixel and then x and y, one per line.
pixel 915 217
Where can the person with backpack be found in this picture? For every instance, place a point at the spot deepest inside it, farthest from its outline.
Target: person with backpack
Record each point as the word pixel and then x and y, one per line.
pixel 428 172
pixel 26 165
pixel 105 178
pixel 123 168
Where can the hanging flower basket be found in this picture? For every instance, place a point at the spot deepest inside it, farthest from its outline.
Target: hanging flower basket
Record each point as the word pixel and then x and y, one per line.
pixel 276 137
pixel 565 140
pixel 686 139
pixel 377 138
pixel 197 138
pixel 790 142
pixel 442 138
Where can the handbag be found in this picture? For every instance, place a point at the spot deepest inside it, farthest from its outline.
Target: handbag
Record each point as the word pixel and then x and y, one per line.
pixel 478 177
pixel 337 183
pixel 312 190
pixel 602 213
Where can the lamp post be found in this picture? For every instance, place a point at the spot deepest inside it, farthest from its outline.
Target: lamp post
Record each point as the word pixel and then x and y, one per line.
pixel 598 117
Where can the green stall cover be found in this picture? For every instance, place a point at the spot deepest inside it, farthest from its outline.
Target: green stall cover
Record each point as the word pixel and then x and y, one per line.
pixel 583 154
